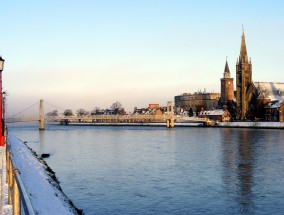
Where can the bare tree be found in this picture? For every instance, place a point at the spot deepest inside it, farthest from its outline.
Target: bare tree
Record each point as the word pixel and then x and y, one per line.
pixel 95 111
pixel 116 107
pixel 82 112
pixel 68 112
pixel 52 113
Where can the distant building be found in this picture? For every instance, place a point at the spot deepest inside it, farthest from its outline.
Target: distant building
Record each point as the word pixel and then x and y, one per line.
pixel 153 106
pixel 152 109
pixel 216 115
pixel 243 80
pixel 227 88
pixel 261 101
pixel 274 111
pixel 256 100
pixel 197 101
pixel 268 100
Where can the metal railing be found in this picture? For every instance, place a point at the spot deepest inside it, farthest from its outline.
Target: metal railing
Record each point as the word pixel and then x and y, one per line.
pixel 17 194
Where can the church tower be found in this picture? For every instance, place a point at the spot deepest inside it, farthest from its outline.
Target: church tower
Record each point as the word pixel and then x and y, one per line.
pixel 243 80
pixel 227 87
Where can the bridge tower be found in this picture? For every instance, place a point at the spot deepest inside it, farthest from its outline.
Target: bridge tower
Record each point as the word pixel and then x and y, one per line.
pixel 170 113
pixel 41 115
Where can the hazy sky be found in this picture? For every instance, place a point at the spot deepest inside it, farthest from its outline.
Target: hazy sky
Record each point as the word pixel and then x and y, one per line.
pixel 91 53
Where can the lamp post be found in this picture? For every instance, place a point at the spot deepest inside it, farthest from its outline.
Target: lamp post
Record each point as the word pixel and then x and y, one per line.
pixel 2 138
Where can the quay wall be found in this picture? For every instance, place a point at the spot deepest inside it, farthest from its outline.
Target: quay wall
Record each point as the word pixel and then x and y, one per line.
pixel 157 124
pixel 272 125
pixel 40 181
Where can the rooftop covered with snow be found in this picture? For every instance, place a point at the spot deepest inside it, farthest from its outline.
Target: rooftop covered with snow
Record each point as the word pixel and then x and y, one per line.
pixel 271 90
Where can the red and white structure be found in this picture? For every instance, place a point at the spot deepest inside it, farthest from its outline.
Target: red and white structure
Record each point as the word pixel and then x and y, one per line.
pixel 2 124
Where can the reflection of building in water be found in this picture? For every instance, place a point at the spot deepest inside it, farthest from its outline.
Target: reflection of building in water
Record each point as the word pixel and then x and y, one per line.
pixel 245 173
pixel 238 168
pixel 229 155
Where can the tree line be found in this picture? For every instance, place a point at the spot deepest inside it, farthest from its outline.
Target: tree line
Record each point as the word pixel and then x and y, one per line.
pixel 115 109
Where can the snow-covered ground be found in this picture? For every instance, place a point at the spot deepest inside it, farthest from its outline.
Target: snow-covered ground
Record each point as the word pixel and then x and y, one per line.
pixel 252 124
pixel 44 192
pixel 5 208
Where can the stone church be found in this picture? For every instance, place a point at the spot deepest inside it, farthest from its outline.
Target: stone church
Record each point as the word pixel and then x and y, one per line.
pixel 252 100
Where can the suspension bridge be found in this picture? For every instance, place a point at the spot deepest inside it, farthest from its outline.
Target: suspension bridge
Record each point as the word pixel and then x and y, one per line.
pixel 169 119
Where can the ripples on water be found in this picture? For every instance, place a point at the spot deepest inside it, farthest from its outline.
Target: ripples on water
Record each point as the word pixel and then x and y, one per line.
pixel 154 170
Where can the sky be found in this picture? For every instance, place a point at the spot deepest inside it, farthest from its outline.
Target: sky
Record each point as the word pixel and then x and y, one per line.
pixel 89 53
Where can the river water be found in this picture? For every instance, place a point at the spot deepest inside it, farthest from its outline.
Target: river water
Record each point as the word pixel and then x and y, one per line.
pixel 155 170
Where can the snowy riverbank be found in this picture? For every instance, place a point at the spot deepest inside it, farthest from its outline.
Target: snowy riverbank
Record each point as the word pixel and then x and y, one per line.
pixel 40 182
pixel 155 124
pixel 275 125
pixel 5 208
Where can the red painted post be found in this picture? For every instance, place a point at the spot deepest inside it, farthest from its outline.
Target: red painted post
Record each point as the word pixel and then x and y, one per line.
pixel 2 125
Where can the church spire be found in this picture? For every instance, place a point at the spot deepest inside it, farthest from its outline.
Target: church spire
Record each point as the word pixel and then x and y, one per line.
pixel 243 81
pixel 226 70
pixel 226 67
pixel 243 52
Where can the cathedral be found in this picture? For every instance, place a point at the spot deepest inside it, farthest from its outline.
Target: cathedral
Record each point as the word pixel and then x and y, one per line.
pixel 258 101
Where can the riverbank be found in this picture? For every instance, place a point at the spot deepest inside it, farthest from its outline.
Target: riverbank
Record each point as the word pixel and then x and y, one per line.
pixel 269 125
pixel 40 181
pixel 5 207
pixel 157 124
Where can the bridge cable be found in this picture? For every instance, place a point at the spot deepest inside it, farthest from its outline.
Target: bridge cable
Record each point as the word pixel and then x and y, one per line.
pixel 54 105
pixel 24 110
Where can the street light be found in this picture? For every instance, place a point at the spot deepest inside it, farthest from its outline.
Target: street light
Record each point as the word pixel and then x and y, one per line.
pixel 2 124
pixel 1 64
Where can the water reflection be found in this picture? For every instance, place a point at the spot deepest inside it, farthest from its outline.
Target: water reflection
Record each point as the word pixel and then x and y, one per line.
pixel 245 173
pixel 238 168
pixel 41 149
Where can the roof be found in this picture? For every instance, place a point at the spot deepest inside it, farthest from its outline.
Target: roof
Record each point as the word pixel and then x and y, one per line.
pixel 274 104
pixel 226 70
pixel 271 90
pixel 216 112
pixel 243 52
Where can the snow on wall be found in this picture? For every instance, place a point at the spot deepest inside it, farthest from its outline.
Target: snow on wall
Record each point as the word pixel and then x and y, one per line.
pixel 252 124
pixel 46 198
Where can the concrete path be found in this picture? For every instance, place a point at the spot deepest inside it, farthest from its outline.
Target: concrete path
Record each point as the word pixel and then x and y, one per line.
pixel 5 208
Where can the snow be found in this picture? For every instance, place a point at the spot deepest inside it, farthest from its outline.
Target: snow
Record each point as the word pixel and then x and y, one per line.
pixel 46 198
pixel 6 209
pixel 272 90
pixel 274 104
pixel 252 124
pixel 216 112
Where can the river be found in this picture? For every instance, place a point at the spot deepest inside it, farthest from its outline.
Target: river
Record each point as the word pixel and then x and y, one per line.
pixel 155 170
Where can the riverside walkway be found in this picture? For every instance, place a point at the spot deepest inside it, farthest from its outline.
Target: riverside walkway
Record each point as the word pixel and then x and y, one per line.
pixel 31 182
pixel 5 208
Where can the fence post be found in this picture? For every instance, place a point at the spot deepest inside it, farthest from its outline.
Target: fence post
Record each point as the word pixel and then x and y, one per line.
pixel 16 196
pixel 7 164
pixel 10 181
